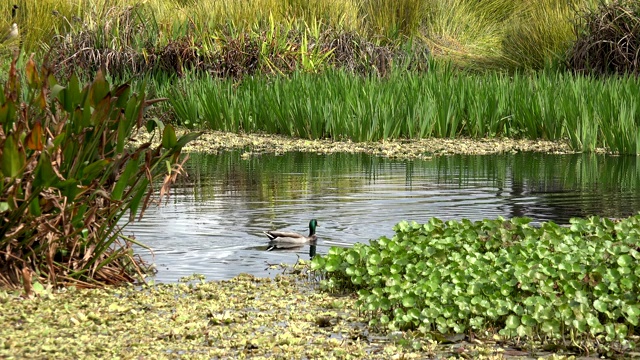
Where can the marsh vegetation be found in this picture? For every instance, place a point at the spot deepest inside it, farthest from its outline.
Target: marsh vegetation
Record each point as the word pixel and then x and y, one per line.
pixel 352 70
pixel 574 286
pixel 364 70
pixel 68 176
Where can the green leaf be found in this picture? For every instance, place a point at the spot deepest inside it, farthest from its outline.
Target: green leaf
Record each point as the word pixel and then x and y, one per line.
pixel 580 324
pixel 34 207
pixel 72 95
pixel 124 130
pixel 551 327
pixel 69 188
pixel 91 171
pixel 374 259
pixel 512 321
pixel 352 257
pixel 187 138
pixel 505 289
pixel 317 263
pixel 169 139
pixel 592 321
pixel 414 313
pixel 4 112
pixel 122 93
pixel 38 288
pixel 408 301
pixel 56 90
pixel 528 321
pixel 332 265
pixel 154 123
pixel 396 269
pixel 13 159
pixel 632 310
pixel 127 175
pixel 625 260
pixel 44 173
pixel 137 197
pixel 600 305
pixel 99 88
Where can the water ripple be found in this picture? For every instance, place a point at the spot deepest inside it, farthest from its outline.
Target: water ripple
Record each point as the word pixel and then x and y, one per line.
pixel 213 222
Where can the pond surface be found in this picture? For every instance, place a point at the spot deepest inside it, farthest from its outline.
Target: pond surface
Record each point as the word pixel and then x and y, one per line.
pixel 213 222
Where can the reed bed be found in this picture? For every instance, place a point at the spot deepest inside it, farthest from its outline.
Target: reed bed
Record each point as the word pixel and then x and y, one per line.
pixel 590 112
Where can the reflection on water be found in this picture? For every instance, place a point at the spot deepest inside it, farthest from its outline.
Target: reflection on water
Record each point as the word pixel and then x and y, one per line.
pixel 213 222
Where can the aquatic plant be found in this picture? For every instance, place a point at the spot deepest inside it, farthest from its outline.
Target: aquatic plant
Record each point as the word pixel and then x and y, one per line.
pixel 244 317
pixel 548 282
pixel 591 113
pixel 68 177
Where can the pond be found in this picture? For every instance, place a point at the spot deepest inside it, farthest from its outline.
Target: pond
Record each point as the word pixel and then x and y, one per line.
pixel 213 222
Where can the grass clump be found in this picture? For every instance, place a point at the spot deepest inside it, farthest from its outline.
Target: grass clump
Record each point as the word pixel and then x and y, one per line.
pixel 131 45
pixel 495 34
pixel 538 34
pixel 575 285
pixel 68 177
pixel 608 39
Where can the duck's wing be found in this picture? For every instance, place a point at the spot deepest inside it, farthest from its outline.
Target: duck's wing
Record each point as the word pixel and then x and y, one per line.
pixel 277 235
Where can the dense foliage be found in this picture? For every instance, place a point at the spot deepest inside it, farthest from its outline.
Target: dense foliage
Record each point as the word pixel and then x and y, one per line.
pixel 68 176
pixel 579 282
pixel 168 34
pixel 552 105
pixel 280 48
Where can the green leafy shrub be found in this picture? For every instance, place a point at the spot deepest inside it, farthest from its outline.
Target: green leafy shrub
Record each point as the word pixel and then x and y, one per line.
pixel 68 177
pixel 526 281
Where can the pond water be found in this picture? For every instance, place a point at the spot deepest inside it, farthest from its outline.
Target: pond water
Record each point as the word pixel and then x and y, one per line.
pixel 213 222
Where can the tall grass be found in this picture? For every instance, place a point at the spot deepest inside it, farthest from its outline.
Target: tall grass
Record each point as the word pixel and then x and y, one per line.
pixel 540 32
pixel 590 113
pixel 472 33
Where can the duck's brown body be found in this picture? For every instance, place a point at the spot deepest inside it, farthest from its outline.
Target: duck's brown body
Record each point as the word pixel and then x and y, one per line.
pixel 292 237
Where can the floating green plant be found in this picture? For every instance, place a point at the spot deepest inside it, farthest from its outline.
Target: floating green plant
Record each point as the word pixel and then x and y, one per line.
pixel 577 283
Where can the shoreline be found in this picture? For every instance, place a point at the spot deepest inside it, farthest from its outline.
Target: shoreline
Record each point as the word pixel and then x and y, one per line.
pixel 256 144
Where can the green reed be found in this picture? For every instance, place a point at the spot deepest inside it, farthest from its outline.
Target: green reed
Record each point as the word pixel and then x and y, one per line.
pixel 589 112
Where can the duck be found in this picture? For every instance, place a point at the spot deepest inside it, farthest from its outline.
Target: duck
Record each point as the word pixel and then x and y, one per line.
pixel 13 32
pixel 292 237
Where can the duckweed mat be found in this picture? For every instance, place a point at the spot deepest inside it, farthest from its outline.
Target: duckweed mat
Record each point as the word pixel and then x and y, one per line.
pixel 255 144
pixel 245 317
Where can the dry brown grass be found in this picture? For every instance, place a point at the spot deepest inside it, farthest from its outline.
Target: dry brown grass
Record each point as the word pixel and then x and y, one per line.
pixel 608 40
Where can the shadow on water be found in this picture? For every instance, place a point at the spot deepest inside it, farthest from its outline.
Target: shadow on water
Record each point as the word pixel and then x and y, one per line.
pixel 213 222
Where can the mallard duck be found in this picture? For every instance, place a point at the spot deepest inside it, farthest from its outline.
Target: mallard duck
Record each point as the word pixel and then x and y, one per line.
pixel 293 238
pixel 13 32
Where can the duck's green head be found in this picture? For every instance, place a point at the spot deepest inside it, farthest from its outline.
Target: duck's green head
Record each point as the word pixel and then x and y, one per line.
pixel 312 226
